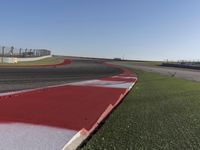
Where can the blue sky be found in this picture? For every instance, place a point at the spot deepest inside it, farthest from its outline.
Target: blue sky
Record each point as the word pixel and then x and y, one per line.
pixel 134 29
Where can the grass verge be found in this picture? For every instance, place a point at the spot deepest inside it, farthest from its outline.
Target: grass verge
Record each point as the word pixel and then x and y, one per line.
pixel 145 63
pixel 161 113
pixel 46 61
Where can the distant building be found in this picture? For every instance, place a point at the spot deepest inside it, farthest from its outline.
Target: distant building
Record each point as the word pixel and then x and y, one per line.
pixel 36 53
pixel 118 59
pixel 42 52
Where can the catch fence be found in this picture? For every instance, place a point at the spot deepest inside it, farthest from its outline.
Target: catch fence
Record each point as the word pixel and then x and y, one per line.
pixel 23 53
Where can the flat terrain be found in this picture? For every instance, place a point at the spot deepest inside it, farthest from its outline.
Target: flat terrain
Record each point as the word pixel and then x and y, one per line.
pixel 19 78
pixel 187 74
pixel 161 113
pixel 47 119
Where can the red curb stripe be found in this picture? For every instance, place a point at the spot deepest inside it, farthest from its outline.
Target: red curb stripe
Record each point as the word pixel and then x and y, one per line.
pixel 59 106
pixel 80 108
pixel 83 134
pixel 65 62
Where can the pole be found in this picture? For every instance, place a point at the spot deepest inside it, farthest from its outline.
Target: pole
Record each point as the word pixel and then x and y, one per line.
pixel 3 48
pixel 20 52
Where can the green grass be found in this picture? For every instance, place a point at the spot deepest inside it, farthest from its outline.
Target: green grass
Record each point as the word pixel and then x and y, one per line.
pixel 46 61
pixel 161 113
pixel 146 63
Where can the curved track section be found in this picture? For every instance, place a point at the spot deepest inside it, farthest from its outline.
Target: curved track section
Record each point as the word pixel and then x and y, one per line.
pixel 12 79
pixel 59 117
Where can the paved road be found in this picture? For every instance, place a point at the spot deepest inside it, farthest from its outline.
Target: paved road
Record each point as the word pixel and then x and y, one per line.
pixel 48 119
pixel 187 74
pixel 12 79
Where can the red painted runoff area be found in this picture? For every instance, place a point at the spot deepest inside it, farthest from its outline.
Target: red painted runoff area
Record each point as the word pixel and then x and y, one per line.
pixel 75 108
pixel 70 107
pixel 65 62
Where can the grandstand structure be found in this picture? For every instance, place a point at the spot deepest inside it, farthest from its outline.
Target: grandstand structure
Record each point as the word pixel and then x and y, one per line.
pixel 19 52
pixel 14 55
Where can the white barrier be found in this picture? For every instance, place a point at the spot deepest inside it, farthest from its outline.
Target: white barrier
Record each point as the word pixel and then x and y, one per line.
pixel 8 60
pixel 12 60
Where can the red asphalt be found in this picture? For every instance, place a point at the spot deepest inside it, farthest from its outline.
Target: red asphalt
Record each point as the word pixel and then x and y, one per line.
pixel 65 62
pixel 73 107
pixel 70 107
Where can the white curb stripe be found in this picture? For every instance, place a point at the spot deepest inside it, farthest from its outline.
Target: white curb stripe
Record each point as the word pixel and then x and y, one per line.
pixel 44 133
pixel 104 83
pixel 21 136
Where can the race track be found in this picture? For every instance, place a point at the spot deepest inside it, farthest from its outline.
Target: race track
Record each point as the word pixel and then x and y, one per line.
pixel 62 116
pixel 183 73
pixel 12 79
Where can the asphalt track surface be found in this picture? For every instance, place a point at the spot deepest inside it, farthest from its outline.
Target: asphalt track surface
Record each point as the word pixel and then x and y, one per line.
pixel 188 74
pixel 62 116
pixel 20 78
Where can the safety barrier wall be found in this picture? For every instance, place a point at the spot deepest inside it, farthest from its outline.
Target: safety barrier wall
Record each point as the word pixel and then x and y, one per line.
pixel 16 60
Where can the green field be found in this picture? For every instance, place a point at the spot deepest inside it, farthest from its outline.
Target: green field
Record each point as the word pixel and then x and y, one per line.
pixel 146 63
pixel 46 61
pixel 160 113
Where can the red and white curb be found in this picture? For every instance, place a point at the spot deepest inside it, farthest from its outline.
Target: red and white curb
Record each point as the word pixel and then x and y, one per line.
pixel 48 118
pixel 118 82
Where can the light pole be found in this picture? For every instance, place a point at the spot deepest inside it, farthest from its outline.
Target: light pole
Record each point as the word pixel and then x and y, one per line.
pixel 12 51
pixel 20 52
pixel 3 48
